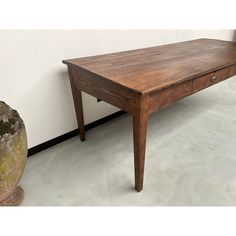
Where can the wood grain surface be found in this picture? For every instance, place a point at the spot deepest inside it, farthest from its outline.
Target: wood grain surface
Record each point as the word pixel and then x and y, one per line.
pixel 151 69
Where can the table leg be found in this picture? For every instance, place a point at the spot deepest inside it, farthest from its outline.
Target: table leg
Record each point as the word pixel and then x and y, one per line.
pixel 140 120
pixel 77 97
pixel 80 115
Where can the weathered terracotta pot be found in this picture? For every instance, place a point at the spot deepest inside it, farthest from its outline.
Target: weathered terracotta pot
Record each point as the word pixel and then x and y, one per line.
pixel 13 154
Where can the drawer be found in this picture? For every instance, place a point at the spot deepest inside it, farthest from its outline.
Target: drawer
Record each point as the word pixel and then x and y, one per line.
pixel 213 78
pixel 174 93
pixel 203 82
pixel 169 96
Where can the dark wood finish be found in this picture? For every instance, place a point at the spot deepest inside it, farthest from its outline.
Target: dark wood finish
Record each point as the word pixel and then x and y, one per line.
pixel 107 91
pixel 140 119
pixel 213 78
pixel 77 97
pixel 145 80
pixel 168 96
pixel 15 199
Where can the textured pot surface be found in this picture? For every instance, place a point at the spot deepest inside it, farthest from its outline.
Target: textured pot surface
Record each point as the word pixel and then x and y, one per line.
pixel 13 150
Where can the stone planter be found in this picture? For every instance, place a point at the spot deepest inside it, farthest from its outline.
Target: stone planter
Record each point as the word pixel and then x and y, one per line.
pixel 13 154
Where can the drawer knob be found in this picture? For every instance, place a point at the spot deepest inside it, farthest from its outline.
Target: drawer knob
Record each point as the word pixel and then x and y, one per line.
pixel 213 78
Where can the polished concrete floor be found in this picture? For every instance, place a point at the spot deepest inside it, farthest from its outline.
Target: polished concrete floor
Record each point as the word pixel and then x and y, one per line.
pixel 190 160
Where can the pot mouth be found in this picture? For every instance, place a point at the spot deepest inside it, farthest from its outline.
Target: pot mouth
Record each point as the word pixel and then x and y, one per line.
pixel 10 121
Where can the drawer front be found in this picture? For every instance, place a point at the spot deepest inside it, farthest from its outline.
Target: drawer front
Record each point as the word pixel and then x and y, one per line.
pixel 169 96
pixel 213 78
pixel 203 82
pixel 174 93
pixel 225 73
pixel 104 90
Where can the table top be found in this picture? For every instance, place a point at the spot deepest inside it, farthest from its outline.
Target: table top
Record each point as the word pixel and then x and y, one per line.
pixel 152 69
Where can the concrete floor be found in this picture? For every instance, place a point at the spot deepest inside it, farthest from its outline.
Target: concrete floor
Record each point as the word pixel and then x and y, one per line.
pixel 191 159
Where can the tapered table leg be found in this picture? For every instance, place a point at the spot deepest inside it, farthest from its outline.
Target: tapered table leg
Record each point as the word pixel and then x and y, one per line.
pixel 77 97
pixel 80 115
pixel 140 120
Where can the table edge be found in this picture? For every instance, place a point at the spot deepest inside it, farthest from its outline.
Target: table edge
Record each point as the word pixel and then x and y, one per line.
pixel 154 89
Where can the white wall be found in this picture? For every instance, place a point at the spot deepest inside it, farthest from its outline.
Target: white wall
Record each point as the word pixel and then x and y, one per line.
pixel 35 82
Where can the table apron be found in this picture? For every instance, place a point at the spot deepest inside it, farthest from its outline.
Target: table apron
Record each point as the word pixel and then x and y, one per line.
pixel 126 99
pixel 170 95
pixel 103 90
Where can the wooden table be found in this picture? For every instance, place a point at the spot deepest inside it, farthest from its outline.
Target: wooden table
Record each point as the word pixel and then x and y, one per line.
pixel 145 80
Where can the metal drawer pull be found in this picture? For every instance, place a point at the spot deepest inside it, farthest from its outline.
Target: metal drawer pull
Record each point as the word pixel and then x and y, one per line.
pixel 213 78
